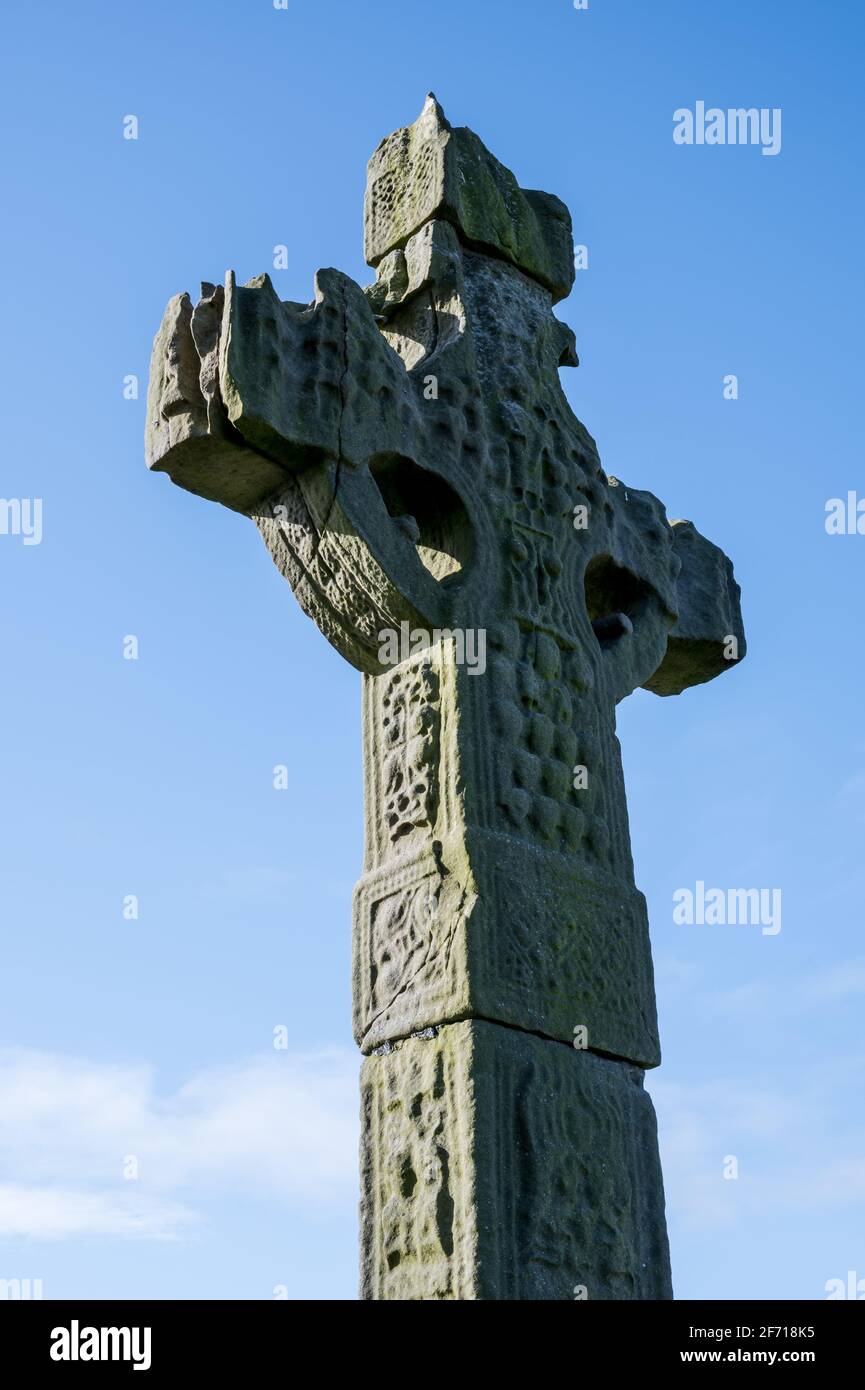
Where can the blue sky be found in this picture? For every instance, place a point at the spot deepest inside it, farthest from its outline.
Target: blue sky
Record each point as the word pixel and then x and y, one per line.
pixel 153 777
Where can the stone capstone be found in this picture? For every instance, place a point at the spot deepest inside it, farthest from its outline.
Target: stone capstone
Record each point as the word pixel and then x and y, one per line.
pixel 431 170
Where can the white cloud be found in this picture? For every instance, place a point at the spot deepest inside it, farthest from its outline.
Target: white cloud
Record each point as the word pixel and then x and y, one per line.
pixel 677 977
pixel 838 982
pixel 784 997
pixel 851 796
pixel 284 1125
pixel 53 1213
pixel 786 1143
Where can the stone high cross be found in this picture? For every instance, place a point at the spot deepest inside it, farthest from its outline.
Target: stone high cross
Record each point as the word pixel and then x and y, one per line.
pixel 416 472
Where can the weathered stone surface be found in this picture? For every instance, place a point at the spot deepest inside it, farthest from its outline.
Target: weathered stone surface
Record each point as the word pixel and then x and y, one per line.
pixel 431 170
pixel 419 478
pixel 205 455
pixel 709 615
pixel 495 1165
pixel 477 901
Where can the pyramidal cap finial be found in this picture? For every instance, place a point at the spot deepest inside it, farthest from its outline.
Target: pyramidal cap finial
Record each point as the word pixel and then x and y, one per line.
pixel 432 118
pixel 434 170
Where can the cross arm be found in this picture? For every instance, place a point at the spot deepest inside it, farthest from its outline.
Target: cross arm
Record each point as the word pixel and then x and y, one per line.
pixel 708 635
pixel 290 414
pixel 662 600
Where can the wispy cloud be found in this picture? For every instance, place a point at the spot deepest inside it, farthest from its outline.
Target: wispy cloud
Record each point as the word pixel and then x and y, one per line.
pixel 851 797
pixel 782 998
pixel 55 1213
pixel 789 1144
pixel 284 1125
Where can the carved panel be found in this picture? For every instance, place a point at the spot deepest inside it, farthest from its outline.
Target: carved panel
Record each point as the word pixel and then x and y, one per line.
pixel 499 1166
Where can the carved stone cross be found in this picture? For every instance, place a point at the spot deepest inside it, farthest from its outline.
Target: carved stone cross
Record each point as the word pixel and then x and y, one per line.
pixel 420 480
